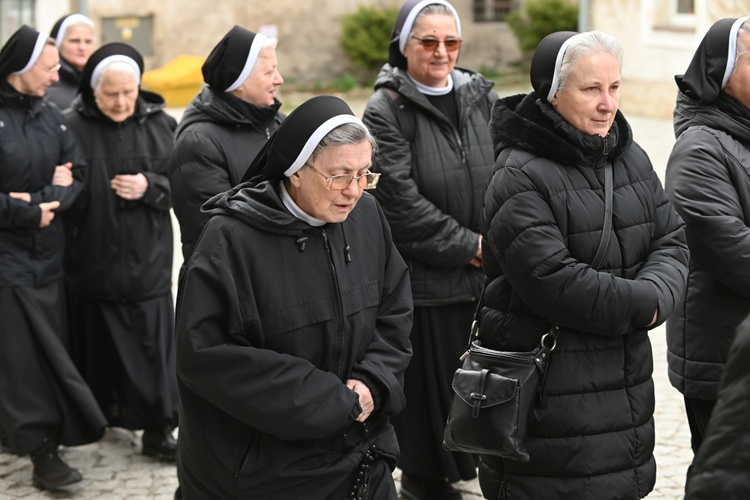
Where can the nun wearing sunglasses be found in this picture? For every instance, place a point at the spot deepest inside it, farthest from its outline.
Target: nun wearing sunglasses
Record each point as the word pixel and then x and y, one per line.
pixel 430 120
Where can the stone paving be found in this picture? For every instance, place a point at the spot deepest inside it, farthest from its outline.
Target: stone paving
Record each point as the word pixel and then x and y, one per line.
pixel 114 469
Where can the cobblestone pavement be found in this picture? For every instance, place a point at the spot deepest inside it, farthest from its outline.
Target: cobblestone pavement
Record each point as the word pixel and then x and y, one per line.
pixel 114 469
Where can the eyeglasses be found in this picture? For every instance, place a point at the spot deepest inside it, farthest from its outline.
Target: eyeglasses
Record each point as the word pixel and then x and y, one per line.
pixel 432 44
pixel 368 180
pixel 54 68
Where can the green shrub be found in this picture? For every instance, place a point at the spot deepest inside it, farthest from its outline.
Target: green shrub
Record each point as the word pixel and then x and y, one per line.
pixel 365 35
pixel 539 18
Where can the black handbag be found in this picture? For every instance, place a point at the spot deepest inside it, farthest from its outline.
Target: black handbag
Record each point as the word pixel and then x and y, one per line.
pixel 495 391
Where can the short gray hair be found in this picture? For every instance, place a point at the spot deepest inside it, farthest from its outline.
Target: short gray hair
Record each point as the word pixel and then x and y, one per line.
pixel 584 45
pixel 349 133
pixel 432 9
pixel 741 45
pixel 116 67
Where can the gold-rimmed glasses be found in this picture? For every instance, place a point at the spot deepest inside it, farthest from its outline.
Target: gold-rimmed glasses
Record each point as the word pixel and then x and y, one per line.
pixel 368 180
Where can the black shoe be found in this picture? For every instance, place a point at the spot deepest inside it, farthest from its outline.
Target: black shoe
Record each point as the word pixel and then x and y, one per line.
pixel 415 488
pixel 50 472
pixel 159 444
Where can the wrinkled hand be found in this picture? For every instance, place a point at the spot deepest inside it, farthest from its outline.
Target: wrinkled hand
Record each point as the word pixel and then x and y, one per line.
pixel 63 175
pixel 21 196
pixel 129 187
pixel 48 213
pixel 365 398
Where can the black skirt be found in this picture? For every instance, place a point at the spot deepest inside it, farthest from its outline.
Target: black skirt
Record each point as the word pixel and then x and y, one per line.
pixel 127 357
pixel 439 337
pixel 42 394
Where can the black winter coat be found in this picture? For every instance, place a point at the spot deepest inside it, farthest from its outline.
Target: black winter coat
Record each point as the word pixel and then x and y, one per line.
pixel 720 469
pixel 543 216
pixel 122 249
pixel 708 181
pixel 64 91
pixel 271 322
pixel 218 137
pixel 432 187
pixel 34 139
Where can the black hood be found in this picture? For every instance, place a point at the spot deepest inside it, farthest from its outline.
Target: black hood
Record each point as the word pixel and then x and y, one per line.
pixel 726 114
pixel 259 206
pixel 527 122
pixel 226 109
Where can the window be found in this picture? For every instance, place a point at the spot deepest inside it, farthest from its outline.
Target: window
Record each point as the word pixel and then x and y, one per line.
pixel 488 11
pixel 685 7
pixel 13 14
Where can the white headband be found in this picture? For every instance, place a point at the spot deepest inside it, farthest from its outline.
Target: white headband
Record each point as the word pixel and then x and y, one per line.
pixel 732 53
pixel 318 136
pixel 41 40
pixel 97 73
pixel 252 56
pixel 71 20
pixel 403 37
pixel 558 65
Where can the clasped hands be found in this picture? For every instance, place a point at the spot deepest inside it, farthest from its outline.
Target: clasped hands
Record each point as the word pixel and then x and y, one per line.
pixel 365 398
pixel 63 176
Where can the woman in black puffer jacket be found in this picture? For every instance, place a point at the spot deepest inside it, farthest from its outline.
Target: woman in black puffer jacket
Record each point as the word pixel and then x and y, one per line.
pixel 707 181
pixel 542 221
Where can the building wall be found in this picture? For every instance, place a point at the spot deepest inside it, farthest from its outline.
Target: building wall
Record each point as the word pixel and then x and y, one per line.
pixel 308 31
pixel 657 47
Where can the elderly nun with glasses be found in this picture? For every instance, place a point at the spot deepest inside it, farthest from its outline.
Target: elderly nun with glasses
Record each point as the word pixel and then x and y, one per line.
pixel 293 320
pixel 119 258
pixel 44 401
pixel 430 121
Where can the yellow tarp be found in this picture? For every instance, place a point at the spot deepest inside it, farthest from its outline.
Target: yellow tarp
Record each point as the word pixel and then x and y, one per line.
pixel 178 81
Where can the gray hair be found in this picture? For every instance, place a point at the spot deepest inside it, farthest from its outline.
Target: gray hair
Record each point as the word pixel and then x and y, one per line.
pixel 584 45
pixel 116 67
pixel 268 43
pixel 349 133
pixel 741 45
pixel 432 9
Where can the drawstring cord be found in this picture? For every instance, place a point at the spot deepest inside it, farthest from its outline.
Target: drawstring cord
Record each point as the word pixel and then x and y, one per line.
pixel 347 255
pixel 301 243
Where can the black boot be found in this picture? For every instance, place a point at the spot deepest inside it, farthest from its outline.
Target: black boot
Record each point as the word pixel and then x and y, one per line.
pixel 50 472
pixel 159 443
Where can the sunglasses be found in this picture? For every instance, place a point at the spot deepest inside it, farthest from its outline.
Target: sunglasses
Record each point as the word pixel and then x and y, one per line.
pixel 432 44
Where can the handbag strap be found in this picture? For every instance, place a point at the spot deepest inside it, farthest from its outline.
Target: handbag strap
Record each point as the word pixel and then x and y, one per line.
pixel 603 244
pixel 607 228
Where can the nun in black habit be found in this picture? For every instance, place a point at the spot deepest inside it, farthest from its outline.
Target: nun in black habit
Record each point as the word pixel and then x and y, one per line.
pixel 293 320
pixel 119 262
pixel 44 402
pixel 707 181
pixel 74 38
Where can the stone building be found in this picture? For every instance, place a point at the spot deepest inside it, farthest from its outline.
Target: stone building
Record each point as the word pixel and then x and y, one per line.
pixel 308 30
pixel 660 38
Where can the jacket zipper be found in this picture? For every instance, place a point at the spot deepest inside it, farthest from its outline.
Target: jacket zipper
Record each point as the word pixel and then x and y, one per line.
pixel 338 346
